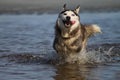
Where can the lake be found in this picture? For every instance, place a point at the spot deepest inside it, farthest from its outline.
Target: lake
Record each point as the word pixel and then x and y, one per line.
pixel 26 48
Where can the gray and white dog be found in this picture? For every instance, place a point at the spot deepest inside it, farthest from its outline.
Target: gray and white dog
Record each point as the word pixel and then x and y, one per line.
pixel 70 35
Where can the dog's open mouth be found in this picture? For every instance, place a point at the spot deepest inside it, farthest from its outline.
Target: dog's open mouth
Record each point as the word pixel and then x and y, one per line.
pixel 68 23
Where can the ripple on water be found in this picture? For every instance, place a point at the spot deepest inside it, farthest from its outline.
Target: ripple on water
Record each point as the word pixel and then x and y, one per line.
pixel 98 54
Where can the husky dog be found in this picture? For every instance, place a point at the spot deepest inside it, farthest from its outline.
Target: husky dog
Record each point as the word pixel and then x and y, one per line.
pixel 70 35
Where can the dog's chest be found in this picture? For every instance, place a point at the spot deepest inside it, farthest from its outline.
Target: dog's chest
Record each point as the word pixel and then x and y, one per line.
pixel 69 45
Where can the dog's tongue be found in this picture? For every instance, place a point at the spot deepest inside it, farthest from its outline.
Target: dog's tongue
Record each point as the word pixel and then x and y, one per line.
pixel 69 23
pixel 72 22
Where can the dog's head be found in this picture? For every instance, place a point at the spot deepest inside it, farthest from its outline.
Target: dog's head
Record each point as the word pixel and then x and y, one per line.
pixel 69 19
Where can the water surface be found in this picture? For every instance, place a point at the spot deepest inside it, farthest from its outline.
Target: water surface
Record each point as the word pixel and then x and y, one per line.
pixel 26 44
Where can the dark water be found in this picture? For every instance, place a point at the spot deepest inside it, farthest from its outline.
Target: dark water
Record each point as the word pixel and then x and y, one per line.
pixel 26 49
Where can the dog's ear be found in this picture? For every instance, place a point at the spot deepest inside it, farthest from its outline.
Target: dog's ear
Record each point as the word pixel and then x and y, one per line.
pixel 64 7
pixel 77 9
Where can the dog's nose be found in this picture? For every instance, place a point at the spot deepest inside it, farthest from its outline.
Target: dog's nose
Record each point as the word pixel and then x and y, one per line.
pixel 68 18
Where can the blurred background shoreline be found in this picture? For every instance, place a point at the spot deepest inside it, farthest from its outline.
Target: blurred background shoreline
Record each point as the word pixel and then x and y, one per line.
pixel 53 6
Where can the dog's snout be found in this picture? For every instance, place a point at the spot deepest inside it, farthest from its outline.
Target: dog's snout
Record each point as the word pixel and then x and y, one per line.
pixel 68 18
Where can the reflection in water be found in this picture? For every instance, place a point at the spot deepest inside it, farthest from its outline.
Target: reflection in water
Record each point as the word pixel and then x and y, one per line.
pixel 76 72
pixel 106 71
pixel 70 72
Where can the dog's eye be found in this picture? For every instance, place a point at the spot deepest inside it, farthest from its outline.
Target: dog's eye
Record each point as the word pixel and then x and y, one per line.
pixel 65 14
pixel 73 14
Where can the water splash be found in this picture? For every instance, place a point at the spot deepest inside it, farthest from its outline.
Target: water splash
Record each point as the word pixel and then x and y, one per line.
pixel 101 54
pixel 94 56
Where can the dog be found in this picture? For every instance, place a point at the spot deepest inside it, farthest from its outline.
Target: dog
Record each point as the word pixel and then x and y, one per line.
pixel 70 35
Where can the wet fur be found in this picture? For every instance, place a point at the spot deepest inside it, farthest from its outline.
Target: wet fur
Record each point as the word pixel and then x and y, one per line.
pixel 76 40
